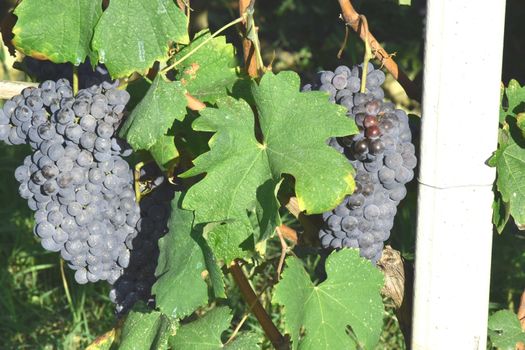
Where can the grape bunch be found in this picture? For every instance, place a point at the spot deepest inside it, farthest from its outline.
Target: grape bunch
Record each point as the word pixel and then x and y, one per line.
pixel 382 154
pixel 155 207
pixel 76 180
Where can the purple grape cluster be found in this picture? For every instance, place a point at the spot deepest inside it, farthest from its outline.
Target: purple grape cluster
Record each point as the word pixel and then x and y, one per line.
pixel 139 276
pixel 382 154
pixel 76 180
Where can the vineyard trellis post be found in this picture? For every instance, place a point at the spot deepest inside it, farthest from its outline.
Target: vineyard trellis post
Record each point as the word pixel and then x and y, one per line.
pixel 464 45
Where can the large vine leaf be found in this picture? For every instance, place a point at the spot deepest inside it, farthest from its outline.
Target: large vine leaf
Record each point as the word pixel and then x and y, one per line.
pixel 205 333
pixel 56 30
pixel 210 72
pixel 147 126
pixel 146 329
pixel 349 297
pixel 515 98
pixel 180 288
pixel 238 164
pixel 505 330
pixel 509 160
pixel 132 34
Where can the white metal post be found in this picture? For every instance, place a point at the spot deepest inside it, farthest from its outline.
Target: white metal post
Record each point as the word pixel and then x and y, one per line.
pixel 464 46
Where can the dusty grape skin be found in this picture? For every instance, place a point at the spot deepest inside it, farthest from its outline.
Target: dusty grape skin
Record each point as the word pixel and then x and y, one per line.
pixel 381 153
pixel 55 178
pixel 139 275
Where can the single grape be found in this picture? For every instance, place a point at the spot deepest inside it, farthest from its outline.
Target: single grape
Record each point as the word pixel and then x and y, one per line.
pixel 398 193
pixel 65 116
pixel 74 132
pixel 339 81
pixel 393 161
pixel 353 84
pixel 87 140
pixel 373 132
pixel 85 158
pixel 369 120
pixel 361 147
pixel 329 88
pixel 326 77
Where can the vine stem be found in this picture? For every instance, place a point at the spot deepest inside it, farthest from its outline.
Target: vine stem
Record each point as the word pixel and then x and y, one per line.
pixel 368 53
pixel 249 296
pixel 310 224
pixel 75 80
pixel 250 60
pixel 352 19
pixel 271 331
pixel 194 104
pixel 136 181
pixel 186 56
pixel 244 318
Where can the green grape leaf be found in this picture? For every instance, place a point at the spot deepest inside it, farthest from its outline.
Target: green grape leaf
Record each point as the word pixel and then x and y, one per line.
pixel 147 126
pixel 505 330
pixel 267 209
pixel 509 160
pixel 137 90
pixel 244 341
pixel 56 30
pixel 318 316
pixel 181 263
pixel 210 72
pixel 230 240
pixel 238 164
pixel 146 329
pixel 515 98
pixel 404 2
pixel 194 143
pixel 500 212
pixel 502 111
pixel 520 123
pixel 215 273
pixel 205 333
pixel 132 34
pixel 164 151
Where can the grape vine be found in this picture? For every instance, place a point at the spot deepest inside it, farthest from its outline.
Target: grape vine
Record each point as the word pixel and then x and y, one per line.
pixel 171 167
